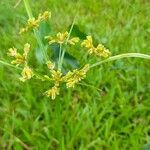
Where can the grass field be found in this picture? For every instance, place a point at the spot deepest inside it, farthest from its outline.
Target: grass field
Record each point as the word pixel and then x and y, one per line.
pixel 111 113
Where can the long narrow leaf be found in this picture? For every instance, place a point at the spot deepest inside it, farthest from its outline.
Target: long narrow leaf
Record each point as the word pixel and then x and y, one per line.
pixel 127 55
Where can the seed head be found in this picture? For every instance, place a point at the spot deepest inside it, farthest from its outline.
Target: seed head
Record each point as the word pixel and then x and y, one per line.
pixel 88 43
pixel 62 38
pixel 56 76
pixel 33 23
pixel 100 50
pixel 19 58
pixel 50 65
pixel 73 41
pixel 73 77
pixel 27 73
pixel 52 92
pixel 12 52
pixel 45 16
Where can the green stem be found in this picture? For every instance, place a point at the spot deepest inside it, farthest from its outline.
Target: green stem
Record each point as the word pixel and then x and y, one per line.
pixel 10 65
pixel 28 9
pixel 127 55
pixel 36 32
pixel 60 51
pixel 64 51
pixel 41 45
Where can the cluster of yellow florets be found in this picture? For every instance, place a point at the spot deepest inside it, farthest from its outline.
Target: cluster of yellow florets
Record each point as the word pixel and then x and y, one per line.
pixel 34 23
pixel 26 73
pixel 71 78
pixel 56 76
pixel 21 59
pixel 52 92
pixel 100 50
pixel 62 38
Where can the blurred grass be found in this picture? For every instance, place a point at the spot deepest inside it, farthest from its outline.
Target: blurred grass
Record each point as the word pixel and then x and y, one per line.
pixel 114 118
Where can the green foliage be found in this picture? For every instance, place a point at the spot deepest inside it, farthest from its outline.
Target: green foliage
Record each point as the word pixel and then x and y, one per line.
pixel 111 112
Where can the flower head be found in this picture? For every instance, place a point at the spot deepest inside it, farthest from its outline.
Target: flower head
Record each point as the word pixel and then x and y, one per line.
pixel 73 77
pixel 50 65
pixel 27 73
pixel 33 23
pixel 19 58
pixel 12 52
pixel 88 43
pixel 44 16
pixel 73 40
pixel 62 38
pixel 52 92
pixel 56 76
pixel 100 50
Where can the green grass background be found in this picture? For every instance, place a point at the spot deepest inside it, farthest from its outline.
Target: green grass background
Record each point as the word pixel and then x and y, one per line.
pixel 116 117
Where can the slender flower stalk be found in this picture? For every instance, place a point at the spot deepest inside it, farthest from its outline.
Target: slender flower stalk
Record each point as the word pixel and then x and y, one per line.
pixel 60 52
pixel 9 65
pixel 70 31
pixel 126 55
pixel 64 51
pixel 36 32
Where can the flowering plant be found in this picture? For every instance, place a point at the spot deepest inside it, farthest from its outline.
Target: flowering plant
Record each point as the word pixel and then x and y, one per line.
pixel 57 77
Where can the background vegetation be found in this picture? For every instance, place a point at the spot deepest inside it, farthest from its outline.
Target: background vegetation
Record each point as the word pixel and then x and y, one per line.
pixel 84 118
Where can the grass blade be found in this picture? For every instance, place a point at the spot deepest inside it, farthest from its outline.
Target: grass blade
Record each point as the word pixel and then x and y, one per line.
pixel 126 55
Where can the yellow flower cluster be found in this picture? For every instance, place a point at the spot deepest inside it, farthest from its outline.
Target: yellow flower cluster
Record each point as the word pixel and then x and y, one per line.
pixel 62 38
pixel 34 23
pixel 27 74
pixel 50 65
pixel 71 78
pixel 56 77
pixel 52 92
pixel 100 50
pixel 21 59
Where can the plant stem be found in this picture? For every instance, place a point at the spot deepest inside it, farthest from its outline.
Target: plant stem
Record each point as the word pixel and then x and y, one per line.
pixel 126 55
pixel 28 9
pixel 60 51
pixel 64 51
pixel 10 65
pixel 36 32
pixel 41 45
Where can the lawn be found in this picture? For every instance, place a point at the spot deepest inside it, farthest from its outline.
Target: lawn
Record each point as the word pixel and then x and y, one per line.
pixel 109 109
